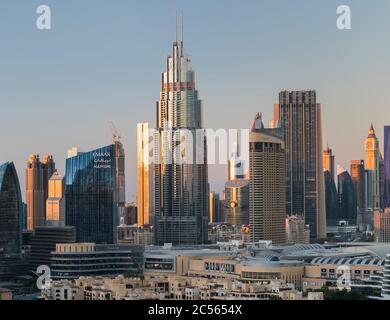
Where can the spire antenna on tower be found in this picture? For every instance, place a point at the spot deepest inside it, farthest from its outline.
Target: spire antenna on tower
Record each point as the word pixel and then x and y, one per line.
pixel 182 27
pixel 176 27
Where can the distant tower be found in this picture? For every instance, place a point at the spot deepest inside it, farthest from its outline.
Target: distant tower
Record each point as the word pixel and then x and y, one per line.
pixel 301 121
pixel 373 163
pixel 267 211
pixel 331 200
pixel 145 175
pixel 386 197
pixel 358 179
pixel 328 159
pixel 55 203
pixel 347 206
pixel 237 202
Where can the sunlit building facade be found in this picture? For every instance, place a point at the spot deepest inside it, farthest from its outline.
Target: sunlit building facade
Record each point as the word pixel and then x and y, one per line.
pixel 328 159
pixel 145 175
pixel 373 163
pixel 267 211
pixel 358 179
pixel 181 180
pixel 237 202
pixel 55 203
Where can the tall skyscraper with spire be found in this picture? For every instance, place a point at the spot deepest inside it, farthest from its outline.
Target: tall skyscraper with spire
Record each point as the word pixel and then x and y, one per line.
pixel 373 163
pixel 300 119
pixel 181 179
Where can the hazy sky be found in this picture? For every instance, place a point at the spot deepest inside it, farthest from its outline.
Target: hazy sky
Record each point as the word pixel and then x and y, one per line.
pixel 102 62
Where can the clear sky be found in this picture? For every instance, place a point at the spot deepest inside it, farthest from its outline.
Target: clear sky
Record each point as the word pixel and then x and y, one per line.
pixel 102 62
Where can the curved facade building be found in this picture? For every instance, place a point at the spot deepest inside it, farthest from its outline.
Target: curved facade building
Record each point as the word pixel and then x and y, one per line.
pixel 94 191
pixel 237 202
pixel 331 201
pixel 10 212
pixel 347 204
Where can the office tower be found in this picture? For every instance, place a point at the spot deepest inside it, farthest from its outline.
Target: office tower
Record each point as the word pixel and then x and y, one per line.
pixel 145 175
pixel 48 169
pixel 131 214
pixel 55 203
pixel 331 200
pixel 300 119
pixel 216 207
pixel 34 193
pixel 237 202
pixel 44 241
pixel 347 205
pixel 386 169
pixel 297 231
pixel 181 181
pixel 358 179
pixel 373 162
pixel 92 190
pixel 267 210
pixel 10 212
pixel 328 159
pixel 382 225
pixel 38 174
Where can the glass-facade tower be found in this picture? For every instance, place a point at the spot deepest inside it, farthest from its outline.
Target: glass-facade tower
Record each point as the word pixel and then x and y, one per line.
pixel 11 209
pixel 181 181
pixel 300 119
pixel 386 168
pixel 94 191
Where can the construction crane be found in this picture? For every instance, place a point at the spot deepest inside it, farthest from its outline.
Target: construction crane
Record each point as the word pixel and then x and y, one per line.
pixel 116 134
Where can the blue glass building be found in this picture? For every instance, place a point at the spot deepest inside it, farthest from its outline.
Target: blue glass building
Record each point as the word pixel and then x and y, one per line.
pixel 94 188
pixel 386 168
pixel 11 211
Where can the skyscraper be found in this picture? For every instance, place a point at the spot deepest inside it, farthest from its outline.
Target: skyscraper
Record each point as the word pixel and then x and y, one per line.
pixel 328 159
pixel 331 200
pixel 300 119
pixel 267 210
pixel 92 190
pixel 48 169
pixel 55 203
pixel 145 175
pixel 237 202
pixel 386 169
pixel 38 174
pixel 215 208
pixel 181 180
pixel 347 205
pixel 10 212
pixel 358 179
pixel 373 163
